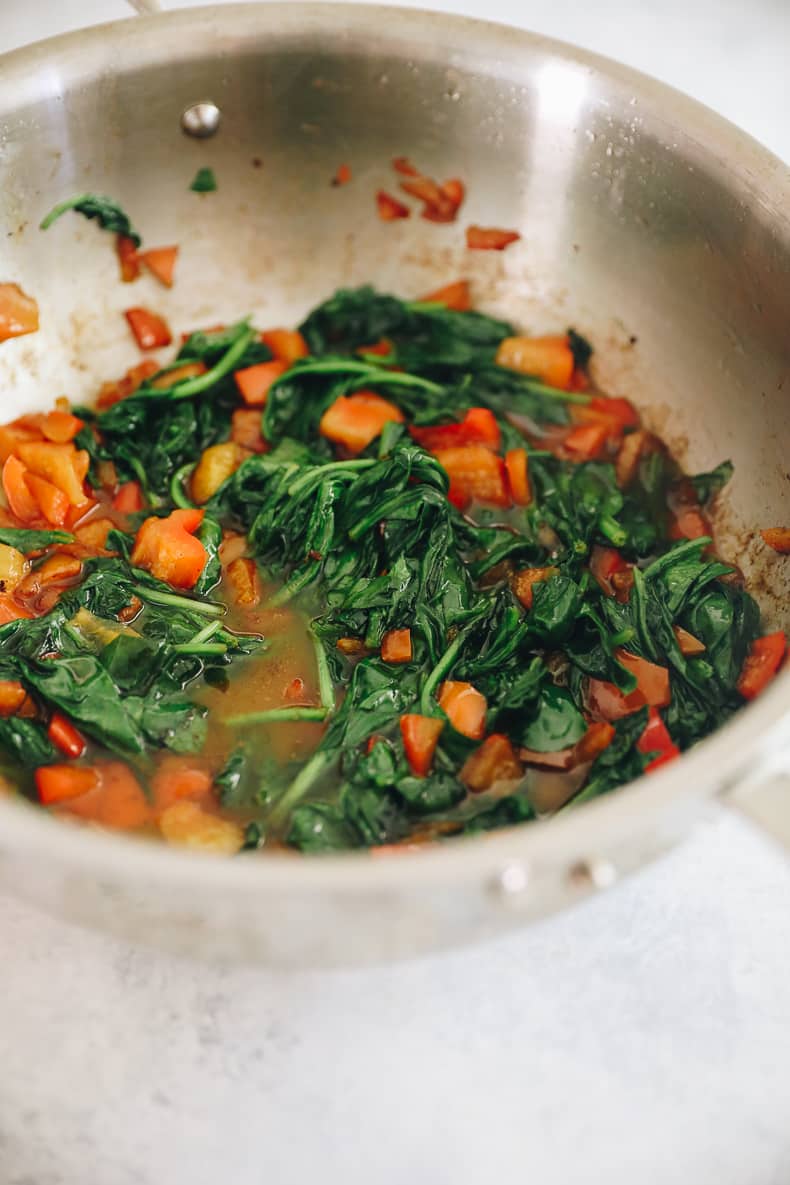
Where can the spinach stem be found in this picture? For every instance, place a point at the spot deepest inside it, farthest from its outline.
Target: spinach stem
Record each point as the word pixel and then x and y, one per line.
pixel 307 775
pixel 318 473
pixel 326 690
pixel 366 371
pixel 207 632
pixel 610 527
pixel 202 382
pixel 197 650
pixel 295 584
pixel 155 597
pixel 177 493
pixel 437 674
pixel 270 715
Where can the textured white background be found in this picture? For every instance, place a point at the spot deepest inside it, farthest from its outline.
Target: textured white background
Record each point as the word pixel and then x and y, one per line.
pixel 643 1038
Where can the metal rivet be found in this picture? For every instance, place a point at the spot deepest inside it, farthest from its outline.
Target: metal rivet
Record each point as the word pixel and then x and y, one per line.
pixel 201 119
pixel 512 880
pixel 593 874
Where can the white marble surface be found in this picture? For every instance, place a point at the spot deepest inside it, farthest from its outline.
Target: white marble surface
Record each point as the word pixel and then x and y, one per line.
pixel 644 1037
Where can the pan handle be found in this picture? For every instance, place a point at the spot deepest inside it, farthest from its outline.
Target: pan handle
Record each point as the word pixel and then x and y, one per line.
pixel 764 796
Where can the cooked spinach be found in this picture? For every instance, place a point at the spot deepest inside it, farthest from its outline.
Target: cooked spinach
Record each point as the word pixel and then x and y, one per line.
pixel 352 547
pixel 105 210
pixel 204 181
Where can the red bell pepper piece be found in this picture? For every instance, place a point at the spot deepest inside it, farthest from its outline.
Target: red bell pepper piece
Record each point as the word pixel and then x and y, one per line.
pixel 491 238
pixel 150 330
pixel 420 738
pixel 168 549
pixel 762 662
pixel 656 739
pixel 66 737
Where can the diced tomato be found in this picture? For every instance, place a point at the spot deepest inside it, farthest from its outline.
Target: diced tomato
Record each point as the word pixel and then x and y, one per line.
pixel 586 441
pixel 129 498
pixel 18 312
pixel 629 455
pixel 254 381
pixel 10 610
pixel 616 408
pixel 246 430
pixel 128 258
pixel 438 207
pixel 454 190
pixel 342 175
pixel 60 783
pixel 60 427
pixel 382 348
pixel 420 738
pixel 12 695
pixel 608 702
pixel 287 345
pixel 687 643
pixel 614 414
pixel 465 708
pixel 161 262
pixel 517 467
pixel 778 538
pixel 689 522
pixel 178 374
pixel 59 569
pixel 23 504
pixel 453 296
pixel 295 692
pixel 478 426
pixel 52 502
pixel 762 662
pixel 353 647
pixel 396 646
pixel 111 393
pixel 356 420
pixel 168 549
pixel 652 680
pixel 63 465
pixel 495 761
pixel 116 798
pixel 605 564
pixel 482 238
pixel 549 359
pixel 66 737
pixel 476 475
pixel 599 736
pixel 523 583
pixel 93 535
pixel 177 778
pixel 150 330
pixel 656 739
pixel 242 575
pixel 15 433
pixel 402 165
pixel 389 208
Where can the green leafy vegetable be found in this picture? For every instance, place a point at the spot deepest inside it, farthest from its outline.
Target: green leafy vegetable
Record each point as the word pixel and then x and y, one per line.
pixel 27 541
pixel 204 181
pixel 105 210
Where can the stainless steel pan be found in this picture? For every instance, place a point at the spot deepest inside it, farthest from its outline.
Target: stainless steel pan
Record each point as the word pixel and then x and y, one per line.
pixel 647 221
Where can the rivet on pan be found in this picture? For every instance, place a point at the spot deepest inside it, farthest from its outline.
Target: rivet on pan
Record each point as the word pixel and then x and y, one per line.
pixel 512 880
pixel 201 119
pixel 593 874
